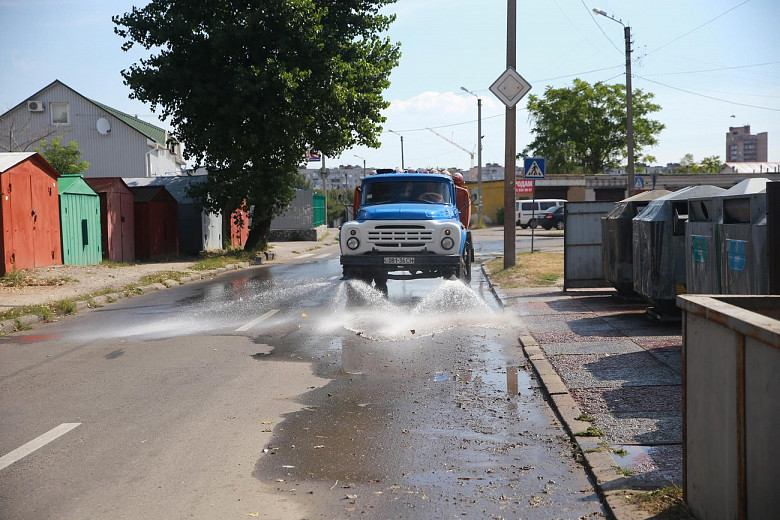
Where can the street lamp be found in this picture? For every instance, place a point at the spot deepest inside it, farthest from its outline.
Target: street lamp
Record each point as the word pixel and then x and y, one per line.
pixel 402 146
pixel 479 155
pixel 629 103
pixel 364 165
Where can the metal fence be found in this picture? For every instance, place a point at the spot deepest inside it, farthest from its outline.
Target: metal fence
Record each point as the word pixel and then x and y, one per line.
pixel 582 263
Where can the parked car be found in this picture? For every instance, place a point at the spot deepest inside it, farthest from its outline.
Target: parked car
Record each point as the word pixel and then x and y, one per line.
pixel 552 218
pixel 529 211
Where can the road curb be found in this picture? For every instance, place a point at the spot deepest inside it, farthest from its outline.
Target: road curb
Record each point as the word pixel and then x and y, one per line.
pixel 26 321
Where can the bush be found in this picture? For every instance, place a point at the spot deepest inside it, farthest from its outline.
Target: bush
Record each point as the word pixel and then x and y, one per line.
pixel 500 216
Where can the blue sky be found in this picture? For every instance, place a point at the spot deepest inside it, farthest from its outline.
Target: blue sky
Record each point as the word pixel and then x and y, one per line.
pixel 710 63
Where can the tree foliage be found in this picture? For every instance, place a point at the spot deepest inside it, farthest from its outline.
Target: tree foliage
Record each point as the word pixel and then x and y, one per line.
pixel 582 128
pixel 65 159
pixel 711 164
pixel 249 85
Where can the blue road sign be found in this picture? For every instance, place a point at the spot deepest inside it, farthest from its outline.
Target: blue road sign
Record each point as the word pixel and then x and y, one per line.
pixel 533 168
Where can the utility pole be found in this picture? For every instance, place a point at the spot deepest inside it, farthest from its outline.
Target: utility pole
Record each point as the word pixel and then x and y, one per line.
pixel 479 156
pixel 510 142
pixel 364 165
pixel 402 147
pixel 629 114
pixel 629 103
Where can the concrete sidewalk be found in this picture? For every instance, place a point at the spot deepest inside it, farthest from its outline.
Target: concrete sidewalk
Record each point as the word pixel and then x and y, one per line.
pixel 614 376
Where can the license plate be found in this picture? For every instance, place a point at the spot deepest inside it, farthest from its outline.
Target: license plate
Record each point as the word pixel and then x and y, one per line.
pixel 400 260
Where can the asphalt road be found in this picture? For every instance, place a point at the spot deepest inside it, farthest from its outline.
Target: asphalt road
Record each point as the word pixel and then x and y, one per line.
pixel 283 392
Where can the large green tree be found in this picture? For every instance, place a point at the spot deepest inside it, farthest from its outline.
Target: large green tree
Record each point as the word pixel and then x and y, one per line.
pixel 249 85
pixel 582 128
pixel 65 159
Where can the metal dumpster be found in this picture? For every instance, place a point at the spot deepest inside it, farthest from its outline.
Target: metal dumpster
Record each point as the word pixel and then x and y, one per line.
pixel 617 246
pixel 744 265
pixel 731 410
pixel 659 247
pixel 702 259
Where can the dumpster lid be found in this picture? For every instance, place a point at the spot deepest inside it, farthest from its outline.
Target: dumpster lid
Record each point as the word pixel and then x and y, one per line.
pixel 647 195
pixel 747 187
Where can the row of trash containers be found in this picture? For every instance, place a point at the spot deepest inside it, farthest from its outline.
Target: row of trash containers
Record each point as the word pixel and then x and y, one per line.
pixel 699 240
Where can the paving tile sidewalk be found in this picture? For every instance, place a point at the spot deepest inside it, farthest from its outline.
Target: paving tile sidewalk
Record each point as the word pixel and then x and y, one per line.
pixel 611 372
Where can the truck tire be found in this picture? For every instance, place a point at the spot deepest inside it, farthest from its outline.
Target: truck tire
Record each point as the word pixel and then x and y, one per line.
pixel 533 223
pixel 463 272
pixel 380 284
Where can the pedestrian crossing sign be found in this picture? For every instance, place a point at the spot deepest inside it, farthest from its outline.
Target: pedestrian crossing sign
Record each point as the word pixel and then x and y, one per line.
pixel 533 168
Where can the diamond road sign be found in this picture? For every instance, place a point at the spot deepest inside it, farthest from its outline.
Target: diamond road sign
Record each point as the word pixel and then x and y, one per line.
pixel 533 168
pixel 510 87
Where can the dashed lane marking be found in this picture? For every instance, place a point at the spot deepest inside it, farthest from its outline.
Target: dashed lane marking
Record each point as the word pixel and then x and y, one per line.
pixel 257 320
pixel 35 444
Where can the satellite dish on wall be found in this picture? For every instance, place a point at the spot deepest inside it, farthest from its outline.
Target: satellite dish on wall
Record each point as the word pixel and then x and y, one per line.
pixel 103 126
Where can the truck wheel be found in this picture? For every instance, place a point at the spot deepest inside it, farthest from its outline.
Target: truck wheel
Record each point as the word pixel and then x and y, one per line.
pixel 380 284
pixel 463 273
pixel 533 223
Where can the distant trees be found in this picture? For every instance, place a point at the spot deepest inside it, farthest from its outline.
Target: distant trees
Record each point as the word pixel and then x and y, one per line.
pixel 582 128
pixel 711 164
pixel 688 164
pixel 65 159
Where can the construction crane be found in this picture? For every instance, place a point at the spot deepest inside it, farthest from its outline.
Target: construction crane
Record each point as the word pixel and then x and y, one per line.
pixel 471 153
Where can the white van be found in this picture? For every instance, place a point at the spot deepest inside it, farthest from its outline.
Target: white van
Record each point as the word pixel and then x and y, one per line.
pixel 528 211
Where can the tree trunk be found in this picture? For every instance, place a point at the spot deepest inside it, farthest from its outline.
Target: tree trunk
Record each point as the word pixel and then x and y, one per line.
pixel 258 236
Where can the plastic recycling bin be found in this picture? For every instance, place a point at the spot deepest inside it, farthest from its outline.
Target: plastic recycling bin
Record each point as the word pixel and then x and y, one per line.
pixel 659 247
pixel 617 247
pixel 744 264
pixel 702 259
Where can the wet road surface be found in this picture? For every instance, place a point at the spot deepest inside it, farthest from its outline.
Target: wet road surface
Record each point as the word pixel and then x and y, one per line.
pixel 419 405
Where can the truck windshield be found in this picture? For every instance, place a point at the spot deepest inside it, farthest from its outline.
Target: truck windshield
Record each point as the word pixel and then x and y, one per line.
pixel 384 192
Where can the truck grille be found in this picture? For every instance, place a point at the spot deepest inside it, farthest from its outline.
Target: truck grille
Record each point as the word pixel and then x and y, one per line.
pixel 400 237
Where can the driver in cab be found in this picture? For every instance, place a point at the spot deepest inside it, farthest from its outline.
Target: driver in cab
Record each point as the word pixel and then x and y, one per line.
pixel 432 192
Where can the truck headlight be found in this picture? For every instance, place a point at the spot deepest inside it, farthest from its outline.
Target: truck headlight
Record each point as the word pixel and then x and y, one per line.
pixel 447 243
pixel 353 243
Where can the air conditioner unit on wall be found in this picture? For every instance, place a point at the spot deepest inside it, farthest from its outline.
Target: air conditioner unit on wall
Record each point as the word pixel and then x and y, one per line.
pixel 35 106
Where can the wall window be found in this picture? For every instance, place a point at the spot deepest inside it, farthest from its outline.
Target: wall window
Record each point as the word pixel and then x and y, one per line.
pixel 60 113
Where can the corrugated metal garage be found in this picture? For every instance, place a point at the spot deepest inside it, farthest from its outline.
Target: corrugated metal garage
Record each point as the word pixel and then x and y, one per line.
pixel 29 212
pixel 117 218
pixel 198 230
pixel 79 222
pixel 156 222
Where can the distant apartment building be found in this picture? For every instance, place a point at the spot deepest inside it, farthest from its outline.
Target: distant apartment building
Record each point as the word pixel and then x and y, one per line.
pixel 742 146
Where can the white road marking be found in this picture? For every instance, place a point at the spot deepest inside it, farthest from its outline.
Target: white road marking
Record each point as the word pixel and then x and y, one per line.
pixel 37 443
pixel 324 255
pixel 257 320
pixel 305 255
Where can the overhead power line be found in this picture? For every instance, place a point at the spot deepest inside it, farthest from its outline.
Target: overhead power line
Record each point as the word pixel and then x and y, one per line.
pixel 698 27
pixel 709 97
pixel 715 70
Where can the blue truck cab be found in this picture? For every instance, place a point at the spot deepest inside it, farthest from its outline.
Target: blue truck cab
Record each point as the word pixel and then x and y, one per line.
pixel 406 226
